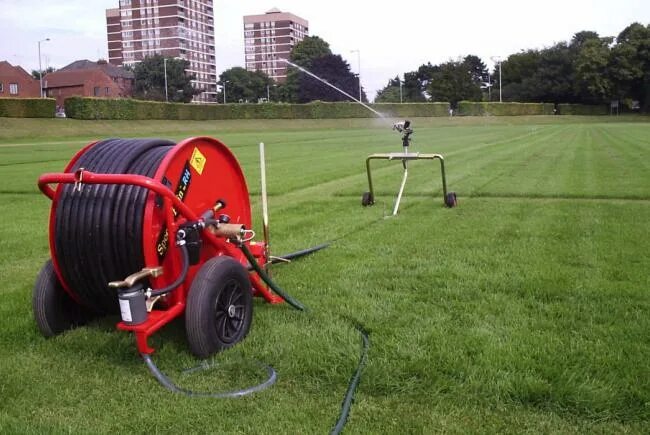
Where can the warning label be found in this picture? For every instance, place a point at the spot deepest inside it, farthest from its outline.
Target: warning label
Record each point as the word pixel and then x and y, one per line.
pixel 197 161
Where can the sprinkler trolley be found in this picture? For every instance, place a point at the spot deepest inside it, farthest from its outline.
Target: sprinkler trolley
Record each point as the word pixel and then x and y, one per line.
pixel 153 230
pixel 368 198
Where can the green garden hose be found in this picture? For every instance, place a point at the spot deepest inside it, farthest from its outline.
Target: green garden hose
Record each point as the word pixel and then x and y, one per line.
pixel 356 377
pixel 276 288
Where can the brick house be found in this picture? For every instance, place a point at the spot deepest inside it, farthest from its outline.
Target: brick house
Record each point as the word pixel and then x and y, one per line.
pixel 84 78
pixel 15 82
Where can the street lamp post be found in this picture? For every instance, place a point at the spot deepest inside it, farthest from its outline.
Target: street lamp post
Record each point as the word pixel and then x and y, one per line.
pixel 224 90
pixel 359 66
pixel 489 88
pixel 498 61
pixel 165 68
pixel 268 94
pixel 40 69
pixel 400 90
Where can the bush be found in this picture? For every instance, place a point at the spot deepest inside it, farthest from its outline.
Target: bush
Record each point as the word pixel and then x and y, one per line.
pixel 104 108
pixel 471 108
pixel 582 109
pixel 27 107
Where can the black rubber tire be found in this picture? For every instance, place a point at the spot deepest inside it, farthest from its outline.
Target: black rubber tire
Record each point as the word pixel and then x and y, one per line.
pixel 367 199
pixel 54 310
pixel 219 306
pixel 451 200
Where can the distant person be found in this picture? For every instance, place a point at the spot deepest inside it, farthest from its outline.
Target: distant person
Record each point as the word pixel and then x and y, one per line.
pixel 451 112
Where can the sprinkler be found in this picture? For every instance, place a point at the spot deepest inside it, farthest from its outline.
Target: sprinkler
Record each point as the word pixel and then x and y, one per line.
pixel 404 127
pixel 153 230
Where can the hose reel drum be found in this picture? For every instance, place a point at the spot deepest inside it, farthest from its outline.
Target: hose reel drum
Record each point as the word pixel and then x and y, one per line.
pixel 151 230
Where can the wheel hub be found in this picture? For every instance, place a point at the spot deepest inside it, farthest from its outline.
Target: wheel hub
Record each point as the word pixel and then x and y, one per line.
pixel 231 311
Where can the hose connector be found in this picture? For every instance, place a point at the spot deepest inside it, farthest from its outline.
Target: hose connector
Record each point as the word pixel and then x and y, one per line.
pixel 228 231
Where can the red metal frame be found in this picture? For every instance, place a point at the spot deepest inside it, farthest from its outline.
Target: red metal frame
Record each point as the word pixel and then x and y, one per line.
pixel 164 217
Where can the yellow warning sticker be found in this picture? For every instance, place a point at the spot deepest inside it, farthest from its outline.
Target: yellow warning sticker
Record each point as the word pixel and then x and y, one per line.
pixel 198 161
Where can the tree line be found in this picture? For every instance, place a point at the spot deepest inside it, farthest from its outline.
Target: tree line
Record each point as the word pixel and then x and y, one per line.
pixel 589 69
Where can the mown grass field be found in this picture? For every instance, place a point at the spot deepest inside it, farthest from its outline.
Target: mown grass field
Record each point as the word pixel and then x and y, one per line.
pixel 525 309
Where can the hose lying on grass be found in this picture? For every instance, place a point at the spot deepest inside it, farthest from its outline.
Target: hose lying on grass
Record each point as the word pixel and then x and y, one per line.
pixel 272 376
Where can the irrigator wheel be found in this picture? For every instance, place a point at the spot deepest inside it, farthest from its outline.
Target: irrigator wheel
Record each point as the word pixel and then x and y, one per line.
pixel 451 200
pixel 367 199
pixel 219 306
pixel 54 310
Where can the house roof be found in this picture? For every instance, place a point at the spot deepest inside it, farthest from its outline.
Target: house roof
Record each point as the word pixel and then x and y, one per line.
pixel 111 70
pixel 6 65
pixel 62 78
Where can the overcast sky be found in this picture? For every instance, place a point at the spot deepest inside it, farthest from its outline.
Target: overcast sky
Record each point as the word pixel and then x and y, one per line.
pixel 392 37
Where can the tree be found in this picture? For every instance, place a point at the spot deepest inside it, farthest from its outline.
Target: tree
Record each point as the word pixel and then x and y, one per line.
pixel 313 54
pixel 592 79
pixel 310 48
pixel 411 90
pixel 423 75
pixel 539 76
pixel 333 69
pixel 150 80
pixel 390 93
pixel 303 54
pixel 455 81
pixel 243 85
pixel 553 80
pixel 630 64
pixel 520 68
pixel 48 70
pixel 476 69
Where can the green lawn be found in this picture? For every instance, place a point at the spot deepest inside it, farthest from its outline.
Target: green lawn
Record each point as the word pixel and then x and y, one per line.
pixel 525 309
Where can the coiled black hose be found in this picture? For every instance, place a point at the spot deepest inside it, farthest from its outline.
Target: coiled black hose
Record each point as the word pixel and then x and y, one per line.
pixel 98 228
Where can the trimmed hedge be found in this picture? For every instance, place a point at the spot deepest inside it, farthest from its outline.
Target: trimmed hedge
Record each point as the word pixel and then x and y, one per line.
pixel 104 108
pixel 583 109
pixel 472 108
pixel 27 107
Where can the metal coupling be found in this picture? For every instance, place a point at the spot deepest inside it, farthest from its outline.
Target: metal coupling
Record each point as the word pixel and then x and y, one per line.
pixel 130 280
pixel 229 231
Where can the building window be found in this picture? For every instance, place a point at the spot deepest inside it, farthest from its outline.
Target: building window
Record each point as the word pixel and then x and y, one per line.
pixel 97 91
pixel 13 88
pixel 107 91
pixel 2 89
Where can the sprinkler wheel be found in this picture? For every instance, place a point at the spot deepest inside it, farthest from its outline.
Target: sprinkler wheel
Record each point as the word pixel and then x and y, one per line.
pixel 367 199
pixel 451 200
pixel 219 306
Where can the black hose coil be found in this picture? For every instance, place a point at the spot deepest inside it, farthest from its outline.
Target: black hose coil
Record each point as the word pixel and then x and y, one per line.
pixel 98 230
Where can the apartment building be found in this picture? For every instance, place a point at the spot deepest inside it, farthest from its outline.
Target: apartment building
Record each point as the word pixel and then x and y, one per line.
pixel 269 38
pixel 172 28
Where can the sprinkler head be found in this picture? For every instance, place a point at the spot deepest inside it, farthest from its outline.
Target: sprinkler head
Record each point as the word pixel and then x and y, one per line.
pixel 403 126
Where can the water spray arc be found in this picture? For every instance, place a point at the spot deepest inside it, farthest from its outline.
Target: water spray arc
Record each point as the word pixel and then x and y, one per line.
pixel 309 73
